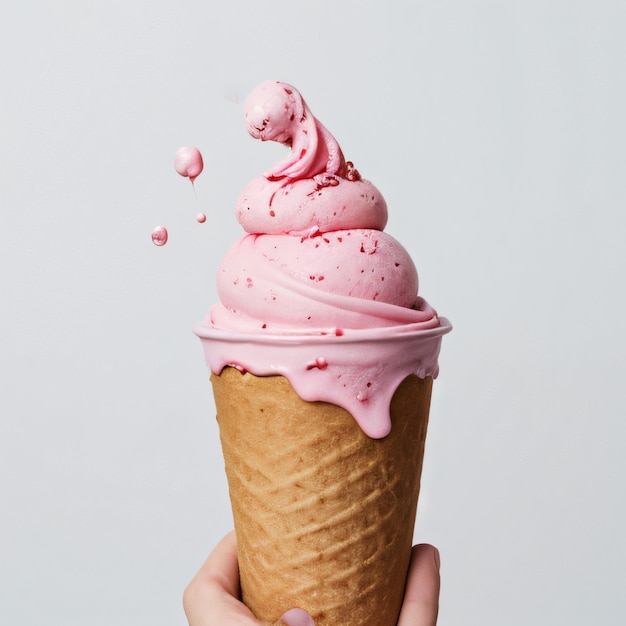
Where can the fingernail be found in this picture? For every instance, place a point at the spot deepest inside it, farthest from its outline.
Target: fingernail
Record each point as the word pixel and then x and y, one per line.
pixel 437 559
pixel 297 617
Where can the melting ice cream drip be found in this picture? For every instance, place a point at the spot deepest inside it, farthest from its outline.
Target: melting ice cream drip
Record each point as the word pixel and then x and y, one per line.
pixel 159 236
pixel 188 162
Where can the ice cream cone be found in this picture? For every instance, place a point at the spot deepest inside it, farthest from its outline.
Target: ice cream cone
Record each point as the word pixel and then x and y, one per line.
pixel 323 513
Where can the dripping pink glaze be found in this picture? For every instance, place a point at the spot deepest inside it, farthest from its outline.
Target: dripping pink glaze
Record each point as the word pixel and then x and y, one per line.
pixel 316 291
pixel 358 370
pixel 188 162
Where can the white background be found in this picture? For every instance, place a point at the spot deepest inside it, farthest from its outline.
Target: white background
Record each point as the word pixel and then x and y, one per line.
pixel 496 131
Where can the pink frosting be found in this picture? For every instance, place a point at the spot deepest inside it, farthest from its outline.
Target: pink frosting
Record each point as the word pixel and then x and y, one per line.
pixel 316 291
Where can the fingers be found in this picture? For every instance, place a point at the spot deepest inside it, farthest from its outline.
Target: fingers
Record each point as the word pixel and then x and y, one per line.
pixel 295 617
pixel 421 597
pixel 212 597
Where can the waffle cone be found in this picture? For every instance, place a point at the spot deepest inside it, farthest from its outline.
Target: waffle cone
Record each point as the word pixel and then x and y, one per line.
pixel 323 514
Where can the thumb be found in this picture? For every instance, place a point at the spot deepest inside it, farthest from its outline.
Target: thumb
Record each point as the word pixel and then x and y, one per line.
pixel 295 617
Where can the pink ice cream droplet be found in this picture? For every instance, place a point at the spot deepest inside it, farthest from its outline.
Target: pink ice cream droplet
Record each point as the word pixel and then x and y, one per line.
pixel 188 162
pixel 201 217
pixel 319 363
pixel 159 236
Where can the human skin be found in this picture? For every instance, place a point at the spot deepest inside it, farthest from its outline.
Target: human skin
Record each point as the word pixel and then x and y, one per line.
pixel 212 597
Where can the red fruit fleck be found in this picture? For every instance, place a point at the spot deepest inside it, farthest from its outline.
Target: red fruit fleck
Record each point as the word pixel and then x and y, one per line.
pixel 352 173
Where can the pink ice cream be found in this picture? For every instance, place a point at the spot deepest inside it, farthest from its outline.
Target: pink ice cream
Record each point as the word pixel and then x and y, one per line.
pixel 316 291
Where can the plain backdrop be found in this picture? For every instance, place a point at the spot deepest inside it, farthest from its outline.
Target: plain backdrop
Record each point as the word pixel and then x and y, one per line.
pixel 495 129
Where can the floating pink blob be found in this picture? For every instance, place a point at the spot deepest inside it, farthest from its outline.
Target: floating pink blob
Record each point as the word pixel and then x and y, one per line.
pixel 201 217
pixel 188 162
pixel 159 236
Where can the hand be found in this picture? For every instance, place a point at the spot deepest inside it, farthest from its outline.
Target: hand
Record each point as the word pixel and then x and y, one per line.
pixel 421 595
pixel 212 596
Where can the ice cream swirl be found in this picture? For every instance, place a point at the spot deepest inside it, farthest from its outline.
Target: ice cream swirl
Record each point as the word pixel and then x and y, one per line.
pixel 316 258
pixel 313 189
pixel 315 290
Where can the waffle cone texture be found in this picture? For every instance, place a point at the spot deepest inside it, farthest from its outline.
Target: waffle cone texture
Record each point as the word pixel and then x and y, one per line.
pixel 324 515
